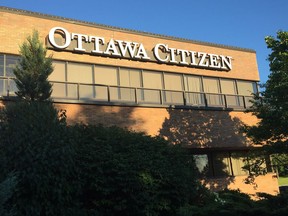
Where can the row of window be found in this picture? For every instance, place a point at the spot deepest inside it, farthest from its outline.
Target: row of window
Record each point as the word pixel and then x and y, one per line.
pixel 221 164
pixel 78 81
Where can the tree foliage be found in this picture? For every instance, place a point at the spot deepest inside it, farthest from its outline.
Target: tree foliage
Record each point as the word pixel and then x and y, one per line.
pixel 91 170
pixel 32 70
pixel 233 202
pixel 33 146
pixel 271 106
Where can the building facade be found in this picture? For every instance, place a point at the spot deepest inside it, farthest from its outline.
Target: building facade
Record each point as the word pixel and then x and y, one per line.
pixel 189 92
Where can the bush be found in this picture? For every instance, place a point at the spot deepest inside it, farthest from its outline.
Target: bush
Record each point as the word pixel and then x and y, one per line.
pixel 90 170
pixel 129 173
pixel 33 145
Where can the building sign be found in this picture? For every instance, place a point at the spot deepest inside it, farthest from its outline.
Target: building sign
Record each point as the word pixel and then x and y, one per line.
pixel 61 39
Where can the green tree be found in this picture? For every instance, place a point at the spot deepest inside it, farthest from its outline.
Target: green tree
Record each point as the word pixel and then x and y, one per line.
pixel 32 70
pixel 271 106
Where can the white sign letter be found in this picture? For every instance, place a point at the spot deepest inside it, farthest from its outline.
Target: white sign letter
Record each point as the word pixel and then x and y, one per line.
pixel 163 48
pixel 79 41
pixel 66 36
pixel 97 42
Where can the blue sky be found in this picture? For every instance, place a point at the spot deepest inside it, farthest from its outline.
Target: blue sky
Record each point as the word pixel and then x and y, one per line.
pixel 241 23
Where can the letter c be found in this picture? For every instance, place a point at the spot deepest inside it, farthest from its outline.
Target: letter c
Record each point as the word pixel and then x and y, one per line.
pixel 156 52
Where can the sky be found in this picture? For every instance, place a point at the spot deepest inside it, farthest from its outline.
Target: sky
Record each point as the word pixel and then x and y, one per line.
pixel 240 23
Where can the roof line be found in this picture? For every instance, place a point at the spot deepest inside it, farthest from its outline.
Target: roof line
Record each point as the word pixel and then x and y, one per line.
pixel 107 27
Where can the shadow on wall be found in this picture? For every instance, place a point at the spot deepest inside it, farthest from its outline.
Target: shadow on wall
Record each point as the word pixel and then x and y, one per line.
pixel 202 129
pixel 105 115
pixel 212 130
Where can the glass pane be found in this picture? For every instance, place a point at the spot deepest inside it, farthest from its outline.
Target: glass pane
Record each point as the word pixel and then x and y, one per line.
pixel 197 99
pixel 149 96
pixel 173 81
pixel 237 164
pixel 11 62
pixel 130 77
pixel 211 85
pixel 1 65
pixel 221 164
pixel 106 76
pixel 59 90
pixel 173 97
pixel 101 93
pixel 246 88
pixel 228 87
pixel 152 79
pixel 202 163
pixel 86 91
pixel 12 87
pixel 3 91
pixel 193 85
pixel 124 94
pixel 59 72
pixel 72 91
pixel 79 73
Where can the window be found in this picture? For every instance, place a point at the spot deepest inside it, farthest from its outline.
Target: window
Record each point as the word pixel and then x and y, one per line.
pixel 82 74
pixel 153 84
pixel 106 76
pixel 212 90
pixel 194 89
pixel 228 87
pixel 247 88
pixel 174 86
pixel 7 64
pixel 60 88
pixel 1 65
pixel 79 81
pixel 220 164
pixel 11 61
pixel 129 78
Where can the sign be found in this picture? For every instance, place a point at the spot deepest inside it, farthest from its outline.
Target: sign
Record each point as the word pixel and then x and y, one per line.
pixel 61 39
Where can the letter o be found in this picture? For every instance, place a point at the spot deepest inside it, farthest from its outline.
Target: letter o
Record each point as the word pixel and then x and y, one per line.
pixel 66 35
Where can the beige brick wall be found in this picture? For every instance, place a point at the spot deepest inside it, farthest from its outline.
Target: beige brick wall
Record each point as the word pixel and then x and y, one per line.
pixel 264 184
pixel 16 26
pixel 195 128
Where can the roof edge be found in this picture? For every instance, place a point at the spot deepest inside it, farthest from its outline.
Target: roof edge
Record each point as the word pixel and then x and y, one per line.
pixel 108 27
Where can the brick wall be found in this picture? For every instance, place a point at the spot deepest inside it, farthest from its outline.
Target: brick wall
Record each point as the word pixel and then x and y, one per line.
pixel 195 128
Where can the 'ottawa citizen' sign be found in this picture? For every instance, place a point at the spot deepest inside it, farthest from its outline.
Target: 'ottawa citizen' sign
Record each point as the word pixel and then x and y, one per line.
pixel 61 39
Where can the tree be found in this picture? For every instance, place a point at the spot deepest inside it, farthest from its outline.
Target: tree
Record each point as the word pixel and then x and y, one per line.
pixel 32 70
pixel 271 106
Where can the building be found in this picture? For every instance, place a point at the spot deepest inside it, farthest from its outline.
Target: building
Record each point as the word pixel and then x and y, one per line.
pixel 190 92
